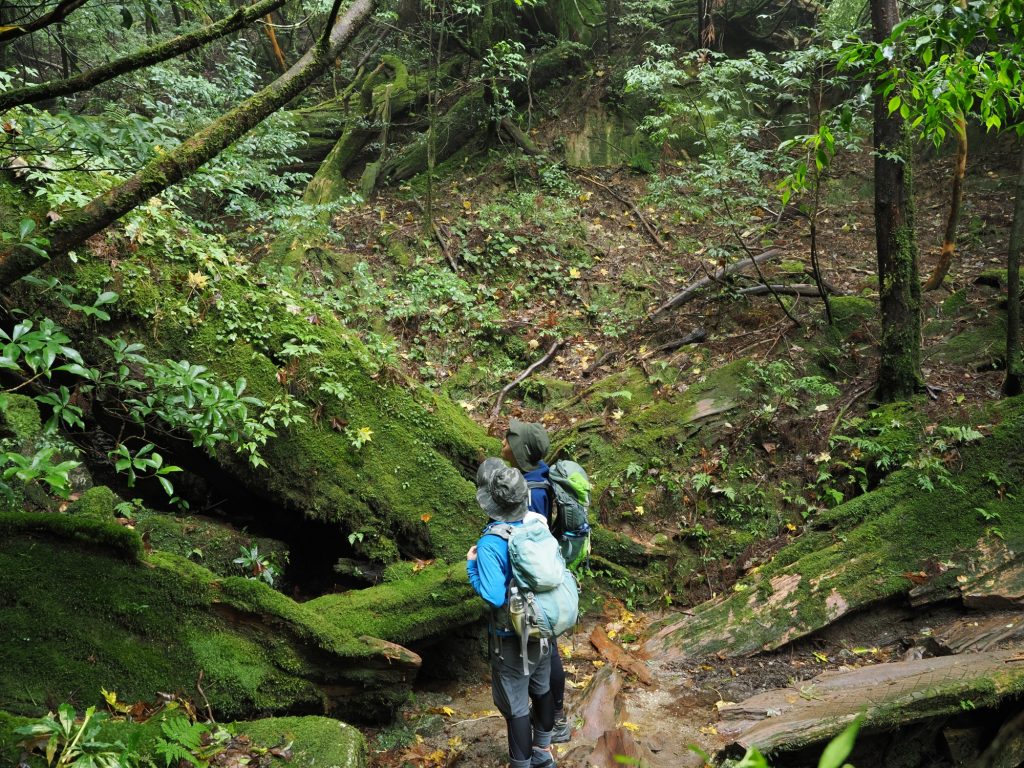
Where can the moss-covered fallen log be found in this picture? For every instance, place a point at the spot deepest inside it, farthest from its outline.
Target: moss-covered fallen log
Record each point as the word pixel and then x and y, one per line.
pixel 870 545
pixel 84 608
pixel 470 113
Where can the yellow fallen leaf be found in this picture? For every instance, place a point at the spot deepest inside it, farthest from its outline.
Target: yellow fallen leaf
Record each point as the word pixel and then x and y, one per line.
pixel 533 343
pixel 709 730
pixel 425 517
pixel 790 527
pixel 448 711
pixel 598 663
pixel 574 273
pixel 629 726
pixel 720 704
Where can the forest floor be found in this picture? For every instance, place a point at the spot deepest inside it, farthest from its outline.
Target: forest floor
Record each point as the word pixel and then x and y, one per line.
pixel 455 721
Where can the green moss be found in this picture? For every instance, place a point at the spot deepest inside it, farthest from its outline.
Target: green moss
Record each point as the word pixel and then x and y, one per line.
pixel 19 418
pixel 981 345
pixel 316 742
pixel 878 538
pixel 79 616
pixel 851 313
pixel 96 502
pixel 423 445
pixel 208 542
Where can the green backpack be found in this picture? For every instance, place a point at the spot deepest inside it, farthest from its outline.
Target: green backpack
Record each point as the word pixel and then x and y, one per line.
pixel 570 496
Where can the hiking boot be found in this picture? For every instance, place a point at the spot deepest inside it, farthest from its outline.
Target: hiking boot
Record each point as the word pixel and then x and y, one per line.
pixel 561 732
pixel 542 758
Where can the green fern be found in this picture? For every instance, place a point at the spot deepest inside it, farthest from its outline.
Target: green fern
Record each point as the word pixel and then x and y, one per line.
pixel 183 732
pixel 184 738
pixel 174 753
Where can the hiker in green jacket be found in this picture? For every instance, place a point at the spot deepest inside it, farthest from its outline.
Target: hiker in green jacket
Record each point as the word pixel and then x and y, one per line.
pixel 524 447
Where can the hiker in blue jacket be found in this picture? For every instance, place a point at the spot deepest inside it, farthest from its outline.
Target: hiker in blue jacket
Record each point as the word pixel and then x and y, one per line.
pixel 524 447
pixel 502 494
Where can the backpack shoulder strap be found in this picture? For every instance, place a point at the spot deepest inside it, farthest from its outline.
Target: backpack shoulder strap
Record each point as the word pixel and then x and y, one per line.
pixel 533 484
pixel 503 531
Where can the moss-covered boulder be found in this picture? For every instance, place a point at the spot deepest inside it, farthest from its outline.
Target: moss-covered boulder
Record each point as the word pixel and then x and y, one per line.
pixel 84 607
pixel 867 548
pixel 358 445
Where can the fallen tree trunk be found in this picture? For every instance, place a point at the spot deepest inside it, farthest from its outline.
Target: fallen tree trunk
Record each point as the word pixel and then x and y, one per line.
pixel 896 693
pixel 61 11
pixel 693 289
pixel 157 621
pixel 469 113
pixel 78 225
pixel 368 112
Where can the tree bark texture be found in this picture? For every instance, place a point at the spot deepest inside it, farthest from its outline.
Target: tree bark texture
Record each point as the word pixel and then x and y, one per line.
pixel 1012 383
pixel 176 46
pixel 899 366
pixel 78 225
pixel 953 219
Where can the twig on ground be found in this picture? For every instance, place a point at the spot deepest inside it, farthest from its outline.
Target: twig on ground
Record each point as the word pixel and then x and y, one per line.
pixel 523 376
pixel 651 231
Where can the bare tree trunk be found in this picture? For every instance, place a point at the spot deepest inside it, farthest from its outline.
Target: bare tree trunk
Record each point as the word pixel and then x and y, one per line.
pixel 899 292
pixel 274 46
pixel 953 220
pixel 1012 382
pixel 147 56
pixel 167 169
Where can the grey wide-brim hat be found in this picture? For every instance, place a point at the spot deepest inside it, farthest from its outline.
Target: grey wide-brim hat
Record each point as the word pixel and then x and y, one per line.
pixel 529 443
pixel 501 491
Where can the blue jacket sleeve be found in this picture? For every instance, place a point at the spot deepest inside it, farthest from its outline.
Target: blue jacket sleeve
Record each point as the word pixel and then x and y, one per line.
pixel 487 574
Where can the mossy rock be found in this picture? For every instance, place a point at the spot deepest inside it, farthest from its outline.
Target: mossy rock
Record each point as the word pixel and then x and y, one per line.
pixel 19 419
pixel 97 502
pixel 981 346
pixel 423 450
pixel 877 538
pixel 84 608
pixel 653 424
pixel 316 742
pixel 852 313
pixel 211 543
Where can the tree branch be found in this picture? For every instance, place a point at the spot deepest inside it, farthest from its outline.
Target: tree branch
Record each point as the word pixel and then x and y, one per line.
pixel 167 169
pixel 62 10
pixel 690 291
pixel 523 376
pixel 162 51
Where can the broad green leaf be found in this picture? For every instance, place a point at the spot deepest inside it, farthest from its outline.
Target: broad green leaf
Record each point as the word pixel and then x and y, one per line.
pixel 840 747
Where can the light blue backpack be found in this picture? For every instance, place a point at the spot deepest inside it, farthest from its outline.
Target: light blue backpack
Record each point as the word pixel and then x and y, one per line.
pixel 543 600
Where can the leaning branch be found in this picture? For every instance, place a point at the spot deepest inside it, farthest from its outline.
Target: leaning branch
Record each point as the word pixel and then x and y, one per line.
pixel 60 12
pixel 784 289
pixel 648 227
pixel 693 289
pixel 147 56
pixel 78 225
pixel 523 376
